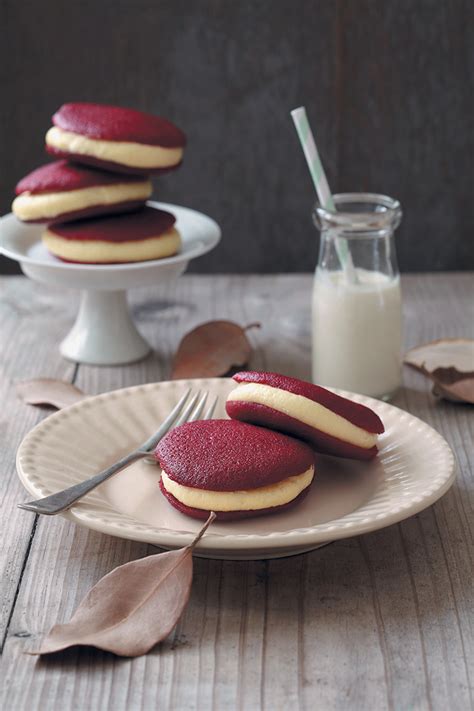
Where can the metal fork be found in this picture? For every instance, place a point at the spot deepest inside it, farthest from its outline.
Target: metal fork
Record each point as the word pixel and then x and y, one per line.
pixel 62 500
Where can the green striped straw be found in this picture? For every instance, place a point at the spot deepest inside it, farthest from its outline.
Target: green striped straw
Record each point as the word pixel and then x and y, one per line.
pixel 320 182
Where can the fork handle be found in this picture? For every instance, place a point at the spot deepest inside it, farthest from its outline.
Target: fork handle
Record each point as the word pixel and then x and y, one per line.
pixel 55 503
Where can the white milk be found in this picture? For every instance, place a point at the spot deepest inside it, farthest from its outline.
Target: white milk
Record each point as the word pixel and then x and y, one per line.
pixel 357 332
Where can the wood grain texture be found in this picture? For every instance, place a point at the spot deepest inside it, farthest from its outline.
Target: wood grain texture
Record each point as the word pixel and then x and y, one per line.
pixel 387 87
pixel 382 621
pixel 31 320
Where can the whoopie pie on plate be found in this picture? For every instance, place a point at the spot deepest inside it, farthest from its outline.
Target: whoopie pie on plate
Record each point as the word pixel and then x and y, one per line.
pixel 137 236
pixel 330 423
pixel 235 469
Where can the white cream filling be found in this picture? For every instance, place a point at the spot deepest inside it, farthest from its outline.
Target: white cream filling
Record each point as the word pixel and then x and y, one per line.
pixel 33 206
pixel 101 251
pixel 262 497
pixel 134 155
pixel 307 411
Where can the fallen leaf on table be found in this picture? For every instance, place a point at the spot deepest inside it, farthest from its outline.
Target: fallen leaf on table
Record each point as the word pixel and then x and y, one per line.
pixel 455 353
pixel 132 608
pixel 449 363
pixel 450 385
pixel 211 350
pixel 48 391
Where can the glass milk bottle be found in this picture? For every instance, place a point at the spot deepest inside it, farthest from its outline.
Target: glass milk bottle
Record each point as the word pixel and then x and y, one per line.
pixel 356 308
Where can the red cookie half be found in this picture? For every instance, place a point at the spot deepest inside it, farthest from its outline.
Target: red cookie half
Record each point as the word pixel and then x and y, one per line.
pixel 330 423
pixel 233 468
pixel 115 138
pixel 62 191
pixel 146 234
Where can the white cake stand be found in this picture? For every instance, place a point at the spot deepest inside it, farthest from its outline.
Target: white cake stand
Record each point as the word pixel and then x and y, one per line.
pixel 104 332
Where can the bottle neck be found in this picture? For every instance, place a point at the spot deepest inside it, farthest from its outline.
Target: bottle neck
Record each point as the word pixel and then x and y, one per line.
pixel 341 250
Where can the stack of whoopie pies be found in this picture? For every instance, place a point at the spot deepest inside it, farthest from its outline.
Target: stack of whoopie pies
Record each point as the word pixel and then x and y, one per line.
pixel 262 460
pixel 93 199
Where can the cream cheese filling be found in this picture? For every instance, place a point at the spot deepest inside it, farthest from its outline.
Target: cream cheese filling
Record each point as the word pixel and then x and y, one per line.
pixel 101 251
pixel 33 206
pixel 307 411
pixel 134 155
pixel 262 497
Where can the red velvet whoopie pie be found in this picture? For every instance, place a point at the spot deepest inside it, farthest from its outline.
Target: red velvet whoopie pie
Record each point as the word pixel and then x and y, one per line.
pixel 62 191
pixel 115 138
pixel 146 234
pixel 330 423
pixel 232 468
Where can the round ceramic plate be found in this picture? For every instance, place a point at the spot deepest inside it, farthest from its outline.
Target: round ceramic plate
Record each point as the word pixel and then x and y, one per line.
pixel 414 468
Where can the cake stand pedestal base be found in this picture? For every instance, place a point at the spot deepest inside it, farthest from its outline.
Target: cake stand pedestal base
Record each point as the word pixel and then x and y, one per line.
pixel 104 332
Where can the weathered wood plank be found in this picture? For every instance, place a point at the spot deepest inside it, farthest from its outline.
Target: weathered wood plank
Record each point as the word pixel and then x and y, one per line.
pixel 383 621
pixel 31 323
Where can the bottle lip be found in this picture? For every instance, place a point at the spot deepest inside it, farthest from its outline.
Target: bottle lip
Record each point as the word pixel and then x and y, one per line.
pixel 386 212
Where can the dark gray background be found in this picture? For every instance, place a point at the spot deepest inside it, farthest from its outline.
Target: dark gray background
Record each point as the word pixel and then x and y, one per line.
pixel 387 86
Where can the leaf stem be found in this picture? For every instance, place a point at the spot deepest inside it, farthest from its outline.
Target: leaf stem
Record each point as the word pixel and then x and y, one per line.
pixel 203 530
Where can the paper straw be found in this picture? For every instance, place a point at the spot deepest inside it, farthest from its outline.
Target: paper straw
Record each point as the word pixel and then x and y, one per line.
pixel 313 160
pixel 320 182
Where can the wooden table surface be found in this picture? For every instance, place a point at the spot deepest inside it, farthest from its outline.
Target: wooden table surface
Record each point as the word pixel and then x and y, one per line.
pixel 382 621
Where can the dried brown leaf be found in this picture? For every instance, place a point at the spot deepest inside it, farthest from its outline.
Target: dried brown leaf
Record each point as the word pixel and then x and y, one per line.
pixel 460 390
pixel 211 350
pixel 132 608
pixel 455 353
pixel 449 363
pixel 48 391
